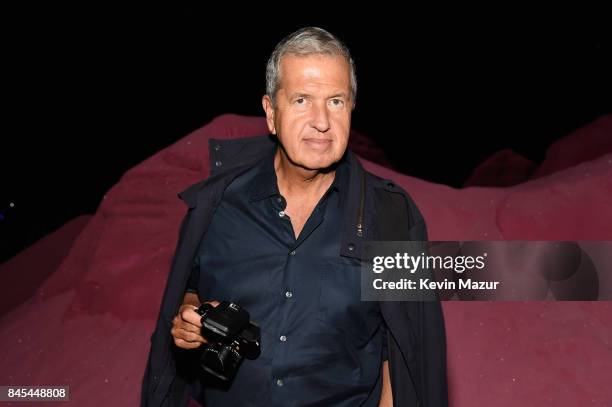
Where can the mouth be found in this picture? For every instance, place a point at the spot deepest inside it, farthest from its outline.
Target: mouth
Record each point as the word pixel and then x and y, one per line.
pixel 317 143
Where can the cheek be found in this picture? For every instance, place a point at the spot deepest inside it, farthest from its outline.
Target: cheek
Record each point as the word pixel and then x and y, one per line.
pixel 343 129
pixel 343 122
pixel 290 140
pixel 341 147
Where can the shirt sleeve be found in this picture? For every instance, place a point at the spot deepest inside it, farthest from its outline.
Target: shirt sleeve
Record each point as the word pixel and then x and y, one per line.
pixel 194 277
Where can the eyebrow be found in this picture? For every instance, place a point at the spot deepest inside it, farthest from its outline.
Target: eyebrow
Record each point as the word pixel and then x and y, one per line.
pixel 338 95
pixel 299 95
pixel 306 95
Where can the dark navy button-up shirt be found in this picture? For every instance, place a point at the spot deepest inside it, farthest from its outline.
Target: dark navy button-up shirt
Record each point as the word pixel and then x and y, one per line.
pixel 321 345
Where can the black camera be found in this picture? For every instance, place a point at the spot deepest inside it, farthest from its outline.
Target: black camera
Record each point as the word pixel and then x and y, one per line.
pixel 231 337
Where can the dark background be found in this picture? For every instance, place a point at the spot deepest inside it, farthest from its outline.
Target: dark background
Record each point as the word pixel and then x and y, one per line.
pixel 89 93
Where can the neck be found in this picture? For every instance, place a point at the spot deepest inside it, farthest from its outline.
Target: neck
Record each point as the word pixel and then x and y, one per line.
pixel 294 180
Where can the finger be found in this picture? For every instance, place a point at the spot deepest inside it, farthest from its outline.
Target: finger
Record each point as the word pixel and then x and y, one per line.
pixel 178 333
pixel 178 326
pixel 190 336
pixel 186 345
pixel 177 323
pixel 189 315
pixel 188 326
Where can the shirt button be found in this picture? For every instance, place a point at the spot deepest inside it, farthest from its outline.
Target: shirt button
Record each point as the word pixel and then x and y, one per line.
pixel 288 294
pixel 217 147
pixel 351 247
pixel 281 213
pixel 218 163
pixel 292 253
pixel 283 338
pixel 279 382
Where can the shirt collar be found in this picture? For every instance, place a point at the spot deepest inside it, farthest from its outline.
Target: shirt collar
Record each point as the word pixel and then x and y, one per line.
pixel 265 185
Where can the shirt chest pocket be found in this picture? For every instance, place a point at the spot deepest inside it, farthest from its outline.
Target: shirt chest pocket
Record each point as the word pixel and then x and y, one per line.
pixel 340 306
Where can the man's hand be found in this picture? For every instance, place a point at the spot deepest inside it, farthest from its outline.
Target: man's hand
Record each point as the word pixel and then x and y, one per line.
pixel 386 397
pixel 186 325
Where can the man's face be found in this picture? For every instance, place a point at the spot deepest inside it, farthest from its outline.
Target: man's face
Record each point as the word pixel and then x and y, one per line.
pixel 312 116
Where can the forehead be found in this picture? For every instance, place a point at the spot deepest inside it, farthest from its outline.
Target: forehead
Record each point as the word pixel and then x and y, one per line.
pixel 314 70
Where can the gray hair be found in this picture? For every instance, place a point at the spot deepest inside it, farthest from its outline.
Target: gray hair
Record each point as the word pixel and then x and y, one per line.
pixel 307 41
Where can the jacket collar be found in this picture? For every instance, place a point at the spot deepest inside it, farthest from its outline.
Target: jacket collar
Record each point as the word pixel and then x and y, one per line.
pixel 232 157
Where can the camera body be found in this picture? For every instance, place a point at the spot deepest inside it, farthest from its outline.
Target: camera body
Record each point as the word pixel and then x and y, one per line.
pixel 231 338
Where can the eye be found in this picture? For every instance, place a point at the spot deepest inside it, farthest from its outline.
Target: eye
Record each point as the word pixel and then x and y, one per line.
pixel 300 101
pixel 336 102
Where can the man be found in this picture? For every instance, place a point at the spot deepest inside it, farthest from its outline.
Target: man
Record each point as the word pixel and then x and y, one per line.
pixel 278 229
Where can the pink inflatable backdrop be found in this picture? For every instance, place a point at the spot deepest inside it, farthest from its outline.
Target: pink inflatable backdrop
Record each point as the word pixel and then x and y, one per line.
pixel 79 306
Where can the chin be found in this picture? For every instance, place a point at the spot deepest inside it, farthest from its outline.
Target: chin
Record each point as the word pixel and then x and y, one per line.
pixel 317 163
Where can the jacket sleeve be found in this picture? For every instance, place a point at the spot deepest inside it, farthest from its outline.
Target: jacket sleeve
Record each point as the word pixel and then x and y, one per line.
pixel 157 379
pixel 416 335
pixel 430 334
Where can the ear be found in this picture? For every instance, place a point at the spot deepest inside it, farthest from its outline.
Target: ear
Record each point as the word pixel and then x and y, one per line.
pixel 266 102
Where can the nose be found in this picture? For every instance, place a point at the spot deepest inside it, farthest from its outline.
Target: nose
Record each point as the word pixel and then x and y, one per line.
pixel 320 118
